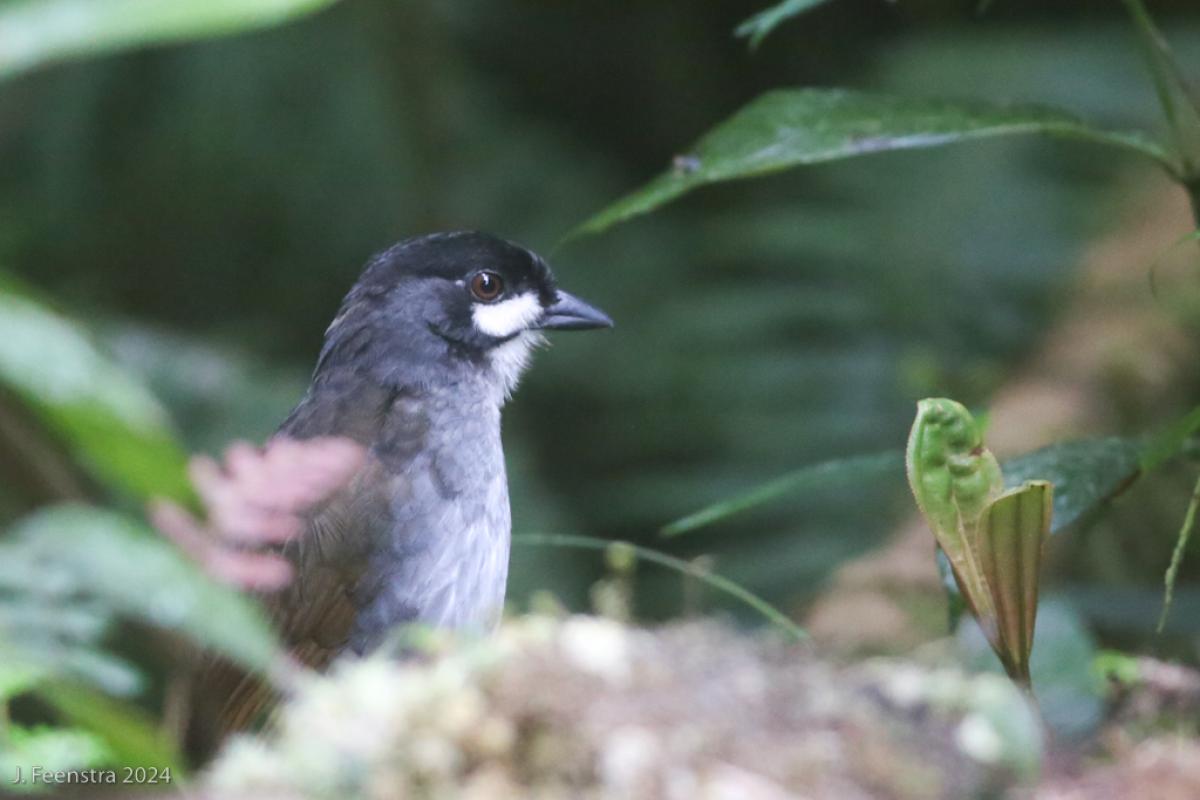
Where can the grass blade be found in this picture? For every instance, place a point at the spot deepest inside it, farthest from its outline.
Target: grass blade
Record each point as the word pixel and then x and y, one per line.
pixel 759 27
pixel 1178 103
pixel 840 471
pixel 1185 533
pixel 721 584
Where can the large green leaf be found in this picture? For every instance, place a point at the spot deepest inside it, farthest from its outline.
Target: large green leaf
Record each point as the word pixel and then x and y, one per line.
pixel 793 127
pixel 109 422
pixel 36 32
pixel 759 26
pixel 1085 473
pixel 84 552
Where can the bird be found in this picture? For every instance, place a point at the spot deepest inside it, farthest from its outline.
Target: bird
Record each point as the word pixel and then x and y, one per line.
pixel 416 366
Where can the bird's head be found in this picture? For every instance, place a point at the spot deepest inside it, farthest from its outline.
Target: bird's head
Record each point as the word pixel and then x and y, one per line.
pixel 453 299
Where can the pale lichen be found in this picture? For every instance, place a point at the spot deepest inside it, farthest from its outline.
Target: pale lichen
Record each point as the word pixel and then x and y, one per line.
pixel 594 709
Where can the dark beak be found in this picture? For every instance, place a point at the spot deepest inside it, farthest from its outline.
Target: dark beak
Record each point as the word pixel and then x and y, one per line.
pixel 569 313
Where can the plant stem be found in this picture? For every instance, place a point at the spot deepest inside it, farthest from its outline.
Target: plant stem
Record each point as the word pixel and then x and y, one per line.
pixel 1185 533
pixel 1180 107
pixel 1193 192
pixel 721 584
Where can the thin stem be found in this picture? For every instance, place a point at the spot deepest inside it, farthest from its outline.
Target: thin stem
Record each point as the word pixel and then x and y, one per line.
pixel 721 584
pixel 1185 533
pixel 1180 108
pixel 1193 193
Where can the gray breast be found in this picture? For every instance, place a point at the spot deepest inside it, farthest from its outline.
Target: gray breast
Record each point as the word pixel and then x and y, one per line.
pixel 440 555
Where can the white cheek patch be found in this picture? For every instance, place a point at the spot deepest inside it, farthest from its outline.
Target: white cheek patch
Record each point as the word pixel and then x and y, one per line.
pixel 507 317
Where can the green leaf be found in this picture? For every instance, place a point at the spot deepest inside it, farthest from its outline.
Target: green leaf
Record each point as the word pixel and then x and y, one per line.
pixel 17 677
pixel 109 557
pixel 1085 474
pixel 991 538
pixel 759 26
pixel 51 749
pixel 131 737
pixel 37 32
pixel 794 127
pixel 954 479
pixel 839 472
pixel 110 423
pixel 1009 546
pixel 721 584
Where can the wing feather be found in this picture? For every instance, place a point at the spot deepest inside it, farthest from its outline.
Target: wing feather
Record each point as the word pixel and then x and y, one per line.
pixel 315 614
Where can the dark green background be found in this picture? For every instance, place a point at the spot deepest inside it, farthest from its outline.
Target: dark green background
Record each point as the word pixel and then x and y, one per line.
pixel 206 206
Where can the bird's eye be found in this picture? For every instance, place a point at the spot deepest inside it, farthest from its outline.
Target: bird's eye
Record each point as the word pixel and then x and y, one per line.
pixel 486 286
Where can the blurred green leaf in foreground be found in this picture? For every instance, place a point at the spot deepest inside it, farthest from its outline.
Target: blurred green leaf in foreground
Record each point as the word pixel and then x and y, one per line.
pixel 37 32
pixel 112 425
pixel 67 574
pixel 72 557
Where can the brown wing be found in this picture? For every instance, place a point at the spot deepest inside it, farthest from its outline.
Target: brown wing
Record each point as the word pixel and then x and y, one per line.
pixel 316 612
pixel 314 616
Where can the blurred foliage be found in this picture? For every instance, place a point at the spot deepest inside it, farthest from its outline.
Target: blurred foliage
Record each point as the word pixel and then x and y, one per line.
pixel 1069 692
pixel 759 27
pixel 114 428
pixel 196 212
pixel 66 574
pixel 36 32
pixel 62 553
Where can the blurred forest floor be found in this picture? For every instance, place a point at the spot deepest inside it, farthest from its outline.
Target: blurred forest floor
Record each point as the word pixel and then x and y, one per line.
pixel 590 708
